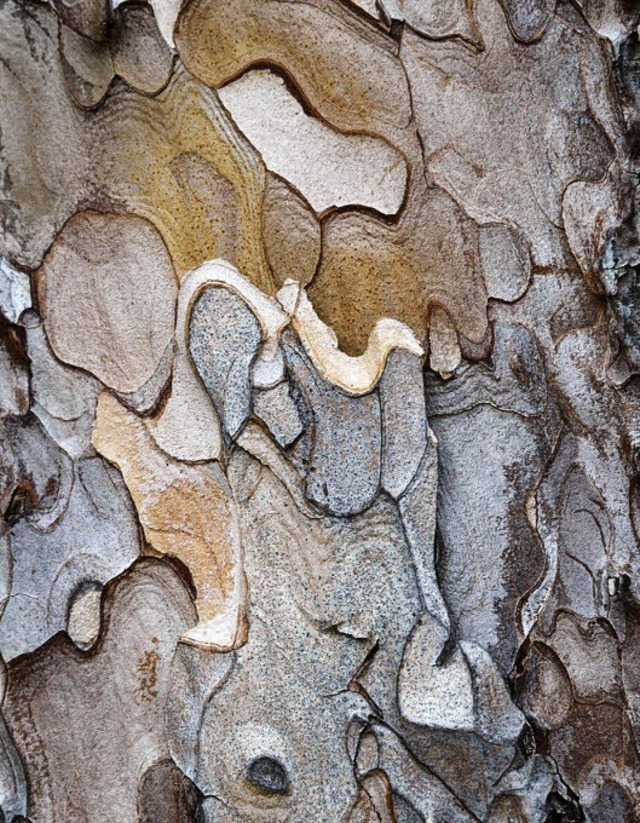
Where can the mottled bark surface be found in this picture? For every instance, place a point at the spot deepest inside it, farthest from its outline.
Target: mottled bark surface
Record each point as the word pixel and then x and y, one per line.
pixel 319 411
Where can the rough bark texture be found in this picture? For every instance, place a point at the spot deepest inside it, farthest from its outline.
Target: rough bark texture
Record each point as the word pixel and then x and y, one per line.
pixel 319 411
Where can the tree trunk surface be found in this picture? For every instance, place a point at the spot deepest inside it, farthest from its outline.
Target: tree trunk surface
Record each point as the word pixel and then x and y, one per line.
pixel 319 411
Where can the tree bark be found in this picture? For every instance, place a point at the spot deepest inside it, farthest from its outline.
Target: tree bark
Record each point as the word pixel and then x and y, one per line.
pixel 319 411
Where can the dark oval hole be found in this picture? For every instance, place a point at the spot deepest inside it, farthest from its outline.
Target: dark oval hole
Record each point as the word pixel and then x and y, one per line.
pixel 268 775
